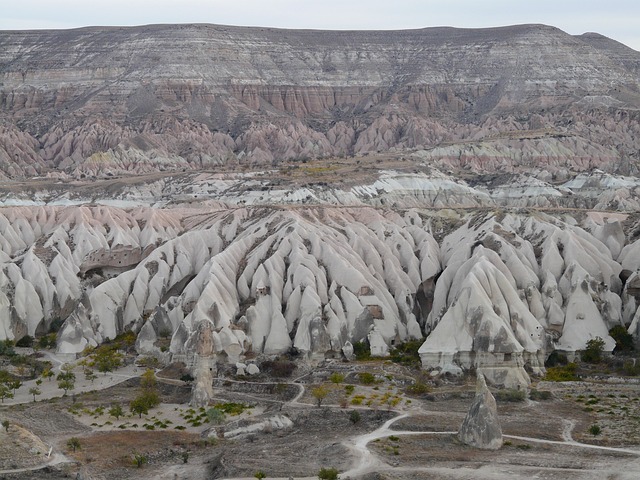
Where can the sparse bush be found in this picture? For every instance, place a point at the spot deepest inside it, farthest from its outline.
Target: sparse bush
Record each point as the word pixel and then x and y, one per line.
pixel 139 460
pixel 510 395
pixel 367 378
pixel 354 416
pixel 624 340
pixel 349 389
pixel 215 416
pixel 362 350
pixel 328 474
pixel 320 393
pixel 232 408
pixel 26 341
pixel 260 474
pixel 593 352
pixel 540 395
pixel 407 353
pixel 418 388
pixel 595 430
pixel 6 348
pixel 556 359
pixel 148 362
pixel 74 443
pixel 631 367
pixel 336 378
pixel 566 373
pixel 116 411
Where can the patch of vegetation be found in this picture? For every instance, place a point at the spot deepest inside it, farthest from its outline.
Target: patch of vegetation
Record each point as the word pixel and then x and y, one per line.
pixel 231 408
pixel 336 378
pixel 362 350
pixel 418 388
pixel 328 474
pixel 538 395
pixel 510 395
pixel 26 341
pixel 407 353
pixel 624 340
pixel 566 373
pixel 354 416
pixel 349 389
pixel 216 416
pixel 320 392
pixel 367 378
pixel 593 352
pixel 74 443
pixel 631 367
pixel 139 460
pixel 556 359
pixel 595 430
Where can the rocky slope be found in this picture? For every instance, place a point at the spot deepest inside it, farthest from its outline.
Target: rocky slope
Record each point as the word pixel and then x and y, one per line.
pixel 98 101
pixel 495 291
pixel 246 191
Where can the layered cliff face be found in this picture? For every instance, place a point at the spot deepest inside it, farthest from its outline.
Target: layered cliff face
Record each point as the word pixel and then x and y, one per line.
pixel 136 100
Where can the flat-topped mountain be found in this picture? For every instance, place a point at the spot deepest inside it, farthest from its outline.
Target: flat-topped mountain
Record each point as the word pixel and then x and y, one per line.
pixel 162 97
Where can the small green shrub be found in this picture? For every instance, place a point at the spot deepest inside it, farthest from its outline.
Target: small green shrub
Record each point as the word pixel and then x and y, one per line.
pixel 407 353
pixel 624 340
pixel 362 350
pixel 566 373
pixel 367 378
pixel 593 352
pixel 354 416
pixel 328 474
pixel 336 378
pixel 418 388
pixel 139 460
pixel 595 430
pixel 538 395
pixel 510 395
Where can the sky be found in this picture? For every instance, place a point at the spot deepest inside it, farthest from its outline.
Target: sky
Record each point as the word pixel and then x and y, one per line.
pixel 617 19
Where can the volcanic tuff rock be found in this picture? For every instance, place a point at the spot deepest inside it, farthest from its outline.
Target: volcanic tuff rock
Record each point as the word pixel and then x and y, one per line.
pixel 481 427
pixel 106 100
pixel 198 183
pixel 493 291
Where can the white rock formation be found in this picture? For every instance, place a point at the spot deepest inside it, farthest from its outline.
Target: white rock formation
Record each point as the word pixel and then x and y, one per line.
pixel 496 292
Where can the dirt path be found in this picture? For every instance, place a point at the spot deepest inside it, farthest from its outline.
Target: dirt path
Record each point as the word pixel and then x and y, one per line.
pixel 55 459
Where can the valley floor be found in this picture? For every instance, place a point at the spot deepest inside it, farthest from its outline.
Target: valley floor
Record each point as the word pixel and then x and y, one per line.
pixel 365 430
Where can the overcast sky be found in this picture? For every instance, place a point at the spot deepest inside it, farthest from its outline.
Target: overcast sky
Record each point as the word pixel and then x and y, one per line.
pixel 618 19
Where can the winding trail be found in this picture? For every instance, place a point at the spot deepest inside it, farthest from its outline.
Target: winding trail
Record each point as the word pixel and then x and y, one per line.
pixel 365 461
pixel 55 459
